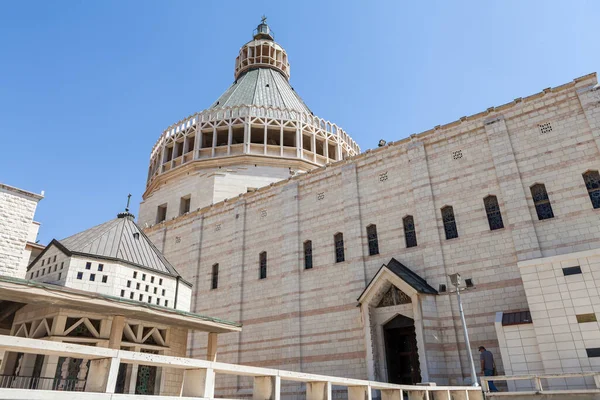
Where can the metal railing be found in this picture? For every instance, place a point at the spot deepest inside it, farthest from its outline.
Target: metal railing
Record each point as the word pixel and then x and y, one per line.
pixel 199 377
pixel 40 383
pixel 537 383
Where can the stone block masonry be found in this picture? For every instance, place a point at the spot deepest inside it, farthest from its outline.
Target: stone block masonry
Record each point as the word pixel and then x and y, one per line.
pixel 308 319
pixel 17 208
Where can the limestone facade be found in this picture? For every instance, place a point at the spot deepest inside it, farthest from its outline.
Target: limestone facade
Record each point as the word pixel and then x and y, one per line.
pixel 308 319
pixel 18 230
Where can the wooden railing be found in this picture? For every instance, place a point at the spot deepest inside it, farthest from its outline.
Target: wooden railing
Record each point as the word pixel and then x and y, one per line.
pixel 199 377
pixel 537 381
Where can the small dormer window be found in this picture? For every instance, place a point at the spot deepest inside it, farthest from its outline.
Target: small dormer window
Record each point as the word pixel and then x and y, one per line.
pixel 136 236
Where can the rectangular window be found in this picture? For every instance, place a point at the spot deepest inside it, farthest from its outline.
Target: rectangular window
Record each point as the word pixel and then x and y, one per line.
pixel 215 277
pixel 31 276
pixel 449 223
pixel 129 284
pixel 149 299
pixel 593 352
pixel 43 261
pixel 92 277
pixel 88 265
pixel 338 240
pixel 55 267
pixel 543 208
pixel 137 286
pixel 184 204
pixel 571 271
pixel 166 303
pixel 147 287
pixel 143 277
pixel 410 234
pixel 62 264
pixel 161 213
pixel 308 260
pixel 155 290
pixel 160 281
pixel 59 275
pixel 263 265
pixel 122 293
pixel 373 241
pixel 151 279
pixel 54 260
pixel 100 267
pixel 131 295
pixel 158 301
pixel 141 297
pixel 104 278
pixel 163 292
pixel 80 275
pixel 592 184
pixel 43 271
pixel 37 273
pixel 134 275
pixel 492 209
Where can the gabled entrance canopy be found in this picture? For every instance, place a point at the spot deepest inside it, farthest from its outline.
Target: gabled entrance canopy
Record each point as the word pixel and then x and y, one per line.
pixel 399 275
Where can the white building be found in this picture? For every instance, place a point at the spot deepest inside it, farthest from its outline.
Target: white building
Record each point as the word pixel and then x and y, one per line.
pixel 18 230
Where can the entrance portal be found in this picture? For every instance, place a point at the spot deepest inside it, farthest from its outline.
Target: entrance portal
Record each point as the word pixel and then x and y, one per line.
pixel 401 353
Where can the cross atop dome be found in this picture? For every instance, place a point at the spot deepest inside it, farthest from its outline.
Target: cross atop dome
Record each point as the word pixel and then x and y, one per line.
pixel 263 31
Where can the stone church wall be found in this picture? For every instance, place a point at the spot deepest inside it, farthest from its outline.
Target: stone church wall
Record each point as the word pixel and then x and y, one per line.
pixel 308 319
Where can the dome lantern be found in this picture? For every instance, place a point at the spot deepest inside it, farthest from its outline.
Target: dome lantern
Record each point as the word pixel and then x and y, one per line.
pixel 263 31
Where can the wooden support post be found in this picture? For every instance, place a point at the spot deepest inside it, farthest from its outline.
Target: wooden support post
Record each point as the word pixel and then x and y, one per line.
pixel 359 393
pixel 102 375
pixel 198 383
pixel 267 388
pixel 211 348
pixel 319 391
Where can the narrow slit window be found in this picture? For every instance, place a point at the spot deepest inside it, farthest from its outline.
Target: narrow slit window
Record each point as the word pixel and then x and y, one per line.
pixel 338 240
pixel 308 261
pixel 263 265
pixel 449 222
pixel 541 200
pixel 410 234
pixel 592 183
pixel 215 277
pixel 492 209
pixel 373 241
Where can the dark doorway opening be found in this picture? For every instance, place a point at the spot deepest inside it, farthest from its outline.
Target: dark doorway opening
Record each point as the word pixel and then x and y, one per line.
pixel 401 353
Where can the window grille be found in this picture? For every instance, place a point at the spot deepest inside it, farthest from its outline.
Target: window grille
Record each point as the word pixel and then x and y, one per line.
pixel 449 222
pixel 263 265
pixel 541 201
pixel 215 277
pixel 410 235
pixel 545 128
pixel 492 209
pixel 373 242
pixel 308 262
pixel 592 183
pixel 338 240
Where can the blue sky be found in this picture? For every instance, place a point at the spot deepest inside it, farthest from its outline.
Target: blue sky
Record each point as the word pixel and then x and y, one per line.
pixel 87 87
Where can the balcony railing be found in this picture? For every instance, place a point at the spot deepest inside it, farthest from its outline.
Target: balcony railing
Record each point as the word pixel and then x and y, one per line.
pixel 38 383
pixel 199 377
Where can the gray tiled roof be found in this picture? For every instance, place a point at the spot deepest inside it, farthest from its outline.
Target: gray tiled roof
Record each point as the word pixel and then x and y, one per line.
pixel 261 87
pixel 115 240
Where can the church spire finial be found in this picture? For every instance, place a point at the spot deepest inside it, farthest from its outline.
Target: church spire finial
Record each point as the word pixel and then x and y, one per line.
pixel 126 214
pixel 263 31
pixel 128 199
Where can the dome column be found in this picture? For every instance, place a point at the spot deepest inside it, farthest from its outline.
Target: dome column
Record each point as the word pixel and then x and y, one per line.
pixel 229 138
pixel 313 147
pixel 197 140
pixel 214 141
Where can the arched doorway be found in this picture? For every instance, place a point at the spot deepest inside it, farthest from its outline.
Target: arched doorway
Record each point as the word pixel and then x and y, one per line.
pixel 401 353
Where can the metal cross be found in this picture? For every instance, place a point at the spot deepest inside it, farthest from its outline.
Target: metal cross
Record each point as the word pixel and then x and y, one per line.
pixel 128 199
pixel 263 19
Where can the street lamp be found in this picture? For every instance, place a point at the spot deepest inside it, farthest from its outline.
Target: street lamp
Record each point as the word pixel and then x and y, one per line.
pixel 455 280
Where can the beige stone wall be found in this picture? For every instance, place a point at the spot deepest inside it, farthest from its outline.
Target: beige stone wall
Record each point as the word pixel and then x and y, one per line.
pixel 17 208
pixel 308 320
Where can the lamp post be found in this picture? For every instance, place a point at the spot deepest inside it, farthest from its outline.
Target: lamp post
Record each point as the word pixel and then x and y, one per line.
pixel 455 280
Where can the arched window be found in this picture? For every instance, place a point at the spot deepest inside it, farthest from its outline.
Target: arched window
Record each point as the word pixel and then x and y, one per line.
pixel 215 276
pixel 541 201
pixel 410 235
pixel 308 263
pixel 449 222
pixel 592 182
pixel 492 210
pixel 263 265
pixel 372 237
pixel 338 240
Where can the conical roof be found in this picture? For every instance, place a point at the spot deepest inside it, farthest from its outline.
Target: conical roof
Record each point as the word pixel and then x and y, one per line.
pixel 119 239
pixel 262 87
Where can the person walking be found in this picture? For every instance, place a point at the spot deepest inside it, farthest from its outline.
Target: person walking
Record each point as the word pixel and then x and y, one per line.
pixel 487 366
